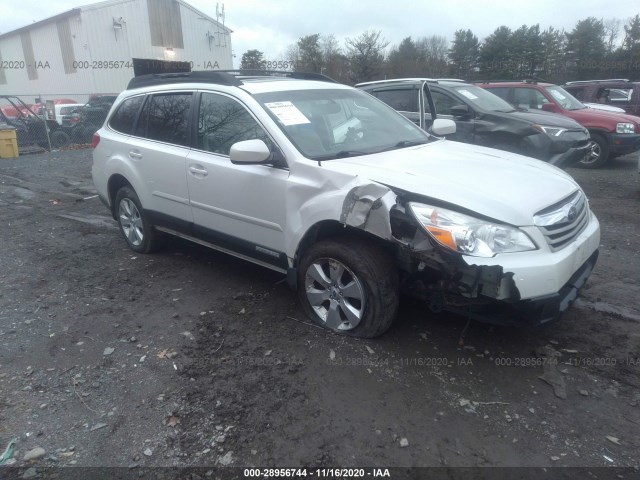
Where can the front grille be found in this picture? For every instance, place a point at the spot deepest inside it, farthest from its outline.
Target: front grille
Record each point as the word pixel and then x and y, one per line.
pixel 562 222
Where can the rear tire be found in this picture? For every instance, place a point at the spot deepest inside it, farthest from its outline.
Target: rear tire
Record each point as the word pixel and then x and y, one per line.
pixel 134 223
pixel 599 156
pixel 59 139
pixel 349 286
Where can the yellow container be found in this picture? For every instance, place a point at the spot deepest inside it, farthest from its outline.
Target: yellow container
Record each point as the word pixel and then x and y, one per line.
pixel 8 143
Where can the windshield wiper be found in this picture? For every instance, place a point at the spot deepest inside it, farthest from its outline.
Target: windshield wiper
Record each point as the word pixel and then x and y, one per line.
pixel 403 144
pixel 340 154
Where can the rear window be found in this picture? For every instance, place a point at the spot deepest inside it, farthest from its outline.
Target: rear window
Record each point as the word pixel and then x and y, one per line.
pixel 123 120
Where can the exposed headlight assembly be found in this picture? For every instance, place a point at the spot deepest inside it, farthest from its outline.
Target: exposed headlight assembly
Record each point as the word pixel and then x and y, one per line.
pixel 551 131
pixel 468 235
pixel 625 128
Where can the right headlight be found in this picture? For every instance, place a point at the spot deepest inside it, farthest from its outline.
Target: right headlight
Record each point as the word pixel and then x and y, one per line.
pixel 625 128
pixel 469 235
pixel 551 131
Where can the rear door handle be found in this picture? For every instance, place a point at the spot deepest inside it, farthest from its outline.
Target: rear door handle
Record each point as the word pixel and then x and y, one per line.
pixel 135 155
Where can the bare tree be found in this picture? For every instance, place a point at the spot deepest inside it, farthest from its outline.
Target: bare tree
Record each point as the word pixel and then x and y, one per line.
pixel 611 31
pixel 366 55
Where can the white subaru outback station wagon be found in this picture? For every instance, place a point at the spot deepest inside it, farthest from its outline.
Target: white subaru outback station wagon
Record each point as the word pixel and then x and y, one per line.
pixel 348 198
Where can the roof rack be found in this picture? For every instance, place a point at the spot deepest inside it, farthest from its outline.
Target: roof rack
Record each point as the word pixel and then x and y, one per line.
pixel 603 80
pixel 220 77
pixel 532 81
pixel 279 73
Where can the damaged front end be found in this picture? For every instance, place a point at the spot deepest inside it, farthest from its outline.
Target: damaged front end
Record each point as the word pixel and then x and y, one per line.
pixel 443 278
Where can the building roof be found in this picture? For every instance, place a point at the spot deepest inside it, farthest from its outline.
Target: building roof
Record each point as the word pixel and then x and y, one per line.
pixel 94 6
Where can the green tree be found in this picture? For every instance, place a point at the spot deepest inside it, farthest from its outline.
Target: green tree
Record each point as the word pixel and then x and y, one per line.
pixel 553 66
pixel 464 54
pixel 366 56
pixel 495 59
pixel 309 54
pixel 586 49
pixel 628 56
pixel 252 60
pixel 405 60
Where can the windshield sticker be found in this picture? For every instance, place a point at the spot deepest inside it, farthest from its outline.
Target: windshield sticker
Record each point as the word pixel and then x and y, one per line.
pixel 558 96
pixel 467 94
pixel 287 113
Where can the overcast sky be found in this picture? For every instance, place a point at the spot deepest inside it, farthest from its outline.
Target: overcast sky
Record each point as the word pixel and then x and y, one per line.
pixel 271 26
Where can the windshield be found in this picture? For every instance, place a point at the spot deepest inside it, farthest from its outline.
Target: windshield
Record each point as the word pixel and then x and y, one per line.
pixel 564 98
pixel 337 123
pixel 483 99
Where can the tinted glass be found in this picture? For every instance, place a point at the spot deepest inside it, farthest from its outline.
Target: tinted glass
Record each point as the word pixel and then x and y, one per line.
pixel 222 122
pixel 122 121
pixel 443 102
pixel 401 100
pixel 168 117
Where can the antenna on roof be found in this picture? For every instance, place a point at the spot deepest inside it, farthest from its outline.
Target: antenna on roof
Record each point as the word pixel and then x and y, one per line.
pixel 220 17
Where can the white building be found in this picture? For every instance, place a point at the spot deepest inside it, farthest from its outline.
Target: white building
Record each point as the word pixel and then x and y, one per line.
pixel 89 50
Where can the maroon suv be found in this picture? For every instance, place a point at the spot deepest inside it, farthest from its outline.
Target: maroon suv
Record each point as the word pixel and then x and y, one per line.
pixel 615 92
pixel 613 134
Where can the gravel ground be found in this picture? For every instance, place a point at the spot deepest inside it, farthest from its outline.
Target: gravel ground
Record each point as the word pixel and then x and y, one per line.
pixel 193 358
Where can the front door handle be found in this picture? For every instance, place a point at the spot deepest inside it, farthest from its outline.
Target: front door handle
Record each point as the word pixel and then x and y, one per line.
pixel 135 155
pixel 198 170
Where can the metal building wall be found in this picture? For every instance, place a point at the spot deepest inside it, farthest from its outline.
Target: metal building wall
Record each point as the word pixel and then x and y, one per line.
pixel 104 38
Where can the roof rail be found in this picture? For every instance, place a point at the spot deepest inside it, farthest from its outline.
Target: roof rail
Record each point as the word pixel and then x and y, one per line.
pixel 212 76
pixel 220 77
pixel 513 80
pixel 279 73
pixel 602 80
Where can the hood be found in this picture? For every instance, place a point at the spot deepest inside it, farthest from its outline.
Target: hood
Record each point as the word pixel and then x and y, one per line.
pixel 543 118
pixel 593 117
pixel 500 185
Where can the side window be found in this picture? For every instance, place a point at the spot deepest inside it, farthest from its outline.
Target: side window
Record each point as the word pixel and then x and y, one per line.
pixel 166 116
pixel 223 121
pixel 521 97
pixel 443 102
pixel 125 116
pixel 502 92
pixel 614 95
pixel 401 100
pixel 529 98
pixel 576 92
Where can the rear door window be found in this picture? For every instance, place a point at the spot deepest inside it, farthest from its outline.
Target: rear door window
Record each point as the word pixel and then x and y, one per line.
pixel 165 117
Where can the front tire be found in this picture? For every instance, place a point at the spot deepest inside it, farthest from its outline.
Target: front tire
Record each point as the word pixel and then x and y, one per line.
pixel 349 286
pixel 599 155
pixel 134 223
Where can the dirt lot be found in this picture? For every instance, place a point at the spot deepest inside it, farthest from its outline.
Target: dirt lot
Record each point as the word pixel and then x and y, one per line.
pixel 194 358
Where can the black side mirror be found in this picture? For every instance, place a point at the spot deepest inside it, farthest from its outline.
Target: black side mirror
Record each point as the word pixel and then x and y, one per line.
pixel 460 111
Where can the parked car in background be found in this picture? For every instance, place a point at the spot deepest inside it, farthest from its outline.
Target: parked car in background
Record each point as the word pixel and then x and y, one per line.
pixel 56 109
pixel 602 106
pixel 484 119
pixel 614 92
pixel 87 119
pixel 613 134
pixel 347 198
